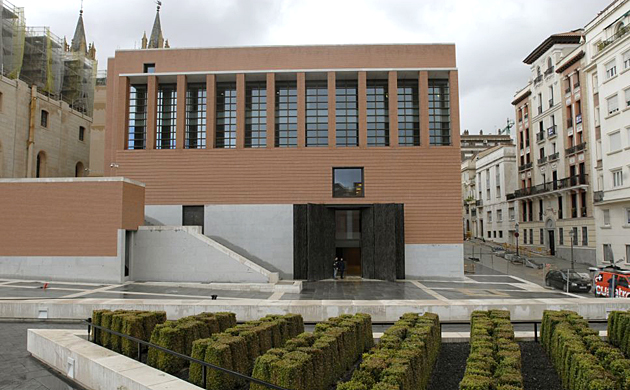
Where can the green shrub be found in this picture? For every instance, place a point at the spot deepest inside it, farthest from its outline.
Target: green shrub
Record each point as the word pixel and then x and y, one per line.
pixel 138 324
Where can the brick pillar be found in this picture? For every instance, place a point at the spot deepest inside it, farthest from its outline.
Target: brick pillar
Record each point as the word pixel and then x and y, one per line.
pixel 392 85
pixel 211 106
pixel 181 111
pixel 332 130
pixel 240 110
pixel 454 98
pixel 271 109
pixel 301 109
pixel 362 110
pixel 151 111
pixel 123 117
pixel 423 96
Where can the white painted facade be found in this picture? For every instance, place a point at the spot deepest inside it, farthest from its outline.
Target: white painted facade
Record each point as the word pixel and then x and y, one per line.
pixel 607 48
pixel 496 178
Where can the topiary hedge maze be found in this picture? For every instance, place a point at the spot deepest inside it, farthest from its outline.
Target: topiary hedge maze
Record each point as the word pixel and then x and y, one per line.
pixel 135 323
pixel 619 331
pixel 315 361
pixel 404 357
pixel 179 336
pixel 580 356
pixel 238 347
pixel 494 362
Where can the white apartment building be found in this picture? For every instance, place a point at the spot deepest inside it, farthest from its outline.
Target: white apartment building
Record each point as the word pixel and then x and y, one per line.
pixel 497 210
pixel 469 208
pixel 607 58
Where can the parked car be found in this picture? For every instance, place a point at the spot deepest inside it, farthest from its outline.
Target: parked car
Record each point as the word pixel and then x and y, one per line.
pixel 578 281
pixel 613 277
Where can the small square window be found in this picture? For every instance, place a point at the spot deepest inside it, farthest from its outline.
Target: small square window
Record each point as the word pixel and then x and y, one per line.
pixel 149 68
pixel 44 118
pixel 348 183
pixel 81 133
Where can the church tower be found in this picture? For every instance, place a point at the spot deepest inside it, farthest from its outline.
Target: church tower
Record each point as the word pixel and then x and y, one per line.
pixel 156 40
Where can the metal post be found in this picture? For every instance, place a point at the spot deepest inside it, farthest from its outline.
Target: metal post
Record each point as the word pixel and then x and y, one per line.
pixel 536 331
pixel 572 260
pixel 203 380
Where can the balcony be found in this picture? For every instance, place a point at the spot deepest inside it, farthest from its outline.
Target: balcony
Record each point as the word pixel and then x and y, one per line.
pixel 598 196
pixel 583 212
pixel 549 70
pixel 525 118
pixel 578 212
pixel 540 136
pixel 576 85
pixel 550 102
pixel 538 79
pixel 510 196
pixel 578 119
pixel 568 90
pixel 580 147
pixel 479 203
pixel 525 167
pixel 562 184
pixel 622 31
pixel 555 156
pixel 551 131
pixel 542 160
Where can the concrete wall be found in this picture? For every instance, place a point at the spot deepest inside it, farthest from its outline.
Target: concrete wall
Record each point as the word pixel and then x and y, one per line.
pixel 261 233
pixel 174 255
pixel 441 261
pixel 167 215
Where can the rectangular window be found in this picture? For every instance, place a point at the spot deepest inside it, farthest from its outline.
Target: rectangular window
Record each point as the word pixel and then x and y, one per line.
pixel 196 104
pixel 137 126
pixel 166 116
pixel 627 217
pixel 489 216
pixel 613 104
pixel 408 113
pixel 608 254
pixel 617 178
pixel 524 236
pixel 542 236
pixel 611 69
pixel 615 141
pixel 439 113
pixel 511 213
pixel 560 236
pixel 531 236
pixel 574 235
pixel 626 60
pixel 316 113
pixel 81 133
pixel 256 114
pixel 149 68
pixel 346 113
pixel 606 217
pixel 286 114
pixel 500 233
pixel 44 118
pixel 627 94
pixel 377 113
pixel 584 236
pixel 226 115
pixel 627 254
pixel 560 208
pixel 541 210
pixel 348 183
pixel 500 215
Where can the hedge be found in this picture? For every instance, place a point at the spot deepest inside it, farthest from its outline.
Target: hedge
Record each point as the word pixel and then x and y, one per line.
pixel 135 323
pixel 238 347
pixel 179 336
pixel 619 331
pixel 403 359
pixel 494 361
pixel 581 357
pixel 315 361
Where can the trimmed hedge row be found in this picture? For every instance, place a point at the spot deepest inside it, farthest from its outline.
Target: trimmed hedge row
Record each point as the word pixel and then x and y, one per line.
pixel 494 362
pixel 135 323
pixel 403 359
pixel 581 357
pixel 314 361
pixel 238 347
pixel 619 330
pixel 179 336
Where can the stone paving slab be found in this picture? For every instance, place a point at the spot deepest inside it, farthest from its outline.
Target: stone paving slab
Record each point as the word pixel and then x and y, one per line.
pixel 368 290
pixel 59 285
pixel 202 292
pixel 460 285
pixel 494 278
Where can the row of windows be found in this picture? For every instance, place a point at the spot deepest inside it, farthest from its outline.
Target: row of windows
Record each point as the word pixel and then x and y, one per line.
pixel 543 234
pixel 286 114
pixel 609 256
pixel 626 219
pixel 499 213
pixel 578 207
pixel 43 116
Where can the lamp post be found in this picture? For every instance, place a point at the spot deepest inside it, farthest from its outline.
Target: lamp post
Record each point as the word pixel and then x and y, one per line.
pixel 516 234
pixel 572 235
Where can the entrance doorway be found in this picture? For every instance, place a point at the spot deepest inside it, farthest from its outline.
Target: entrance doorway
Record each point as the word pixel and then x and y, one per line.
pixel 348 239
pixel 552 242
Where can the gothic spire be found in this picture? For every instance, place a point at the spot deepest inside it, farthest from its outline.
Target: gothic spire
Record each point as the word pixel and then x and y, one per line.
pixel 79 42
pixel 157 40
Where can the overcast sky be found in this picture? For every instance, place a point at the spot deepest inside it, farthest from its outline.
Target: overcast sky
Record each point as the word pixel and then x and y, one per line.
pixel 492 36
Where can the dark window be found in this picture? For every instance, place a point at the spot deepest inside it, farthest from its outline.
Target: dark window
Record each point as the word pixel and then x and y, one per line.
pixel 193 216
pixel 226 116
pixel 196 116
pixel 256 115
pixel 560 207
pixel 347 182
pixel 81 133
pixel 347 113
pixel 560 236
pixel 439 113
pixel 408 113
pixel 531 236
pixel 286 114
pixel 377 113
pixel 137 131
pixel 317 113
pixel 166 116
pixel 44 118
pixel 542 237
pixel 541 210
pixel 149 68
pixel 584 236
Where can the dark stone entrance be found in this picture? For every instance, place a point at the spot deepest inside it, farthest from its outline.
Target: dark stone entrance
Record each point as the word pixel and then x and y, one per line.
pixel 382 241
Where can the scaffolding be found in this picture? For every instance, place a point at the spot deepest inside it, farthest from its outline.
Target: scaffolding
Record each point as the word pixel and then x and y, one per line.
pixel 12 40
pixel 42 65
pixel 79 81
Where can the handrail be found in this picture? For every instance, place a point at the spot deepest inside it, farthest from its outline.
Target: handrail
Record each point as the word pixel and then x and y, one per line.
pixel 180 355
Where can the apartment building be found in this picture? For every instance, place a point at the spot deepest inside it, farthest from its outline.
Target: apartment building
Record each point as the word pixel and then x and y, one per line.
pixel 606 51
pixel 555 195
pixel 475 143
pixel 469 191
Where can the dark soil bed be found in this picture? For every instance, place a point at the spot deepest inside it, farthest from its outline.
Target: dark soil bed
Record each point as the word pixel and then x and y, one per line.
pixel 538 373
pixel 450 366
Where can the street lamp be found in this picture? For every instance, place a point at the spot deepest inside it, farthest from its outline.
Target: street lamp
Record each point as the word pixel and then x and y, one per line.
pixel 516 234
pixel 572 235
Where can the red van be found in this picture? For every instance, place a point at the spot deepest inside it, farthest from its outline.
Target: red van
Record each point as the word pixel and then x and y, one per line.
pixel 607 279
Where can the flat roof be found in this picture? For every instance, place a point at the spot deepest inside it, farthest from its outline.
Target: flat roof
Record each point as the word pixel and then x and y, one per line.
pixel 72 180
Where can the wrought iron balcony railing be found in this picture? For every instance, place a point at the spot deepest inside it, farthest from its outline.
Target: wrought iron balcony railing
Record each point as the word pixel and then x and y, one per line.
pixel 567 182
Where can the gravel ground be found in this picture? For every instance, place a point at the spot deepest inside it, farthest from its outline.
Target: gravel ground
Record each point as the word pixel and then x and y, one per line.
pixel 538 373
pixel 450 366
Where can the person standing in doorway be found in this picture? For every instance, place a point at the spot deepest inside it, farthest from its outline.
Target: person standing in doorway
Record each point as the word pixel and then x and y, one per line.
pixel 342 267
pixel 335 268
